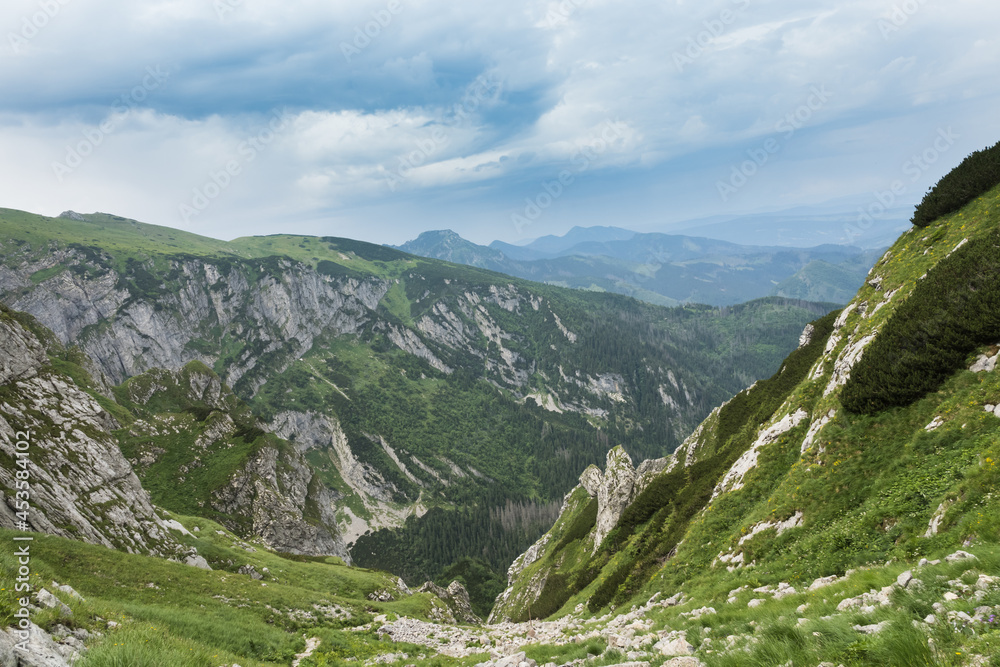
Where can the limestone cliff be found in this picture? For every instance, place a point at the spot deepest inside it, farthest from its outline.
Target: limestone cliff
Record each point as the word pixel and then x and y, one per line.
pixel 56 447
pixel 132 321
pixel 203 452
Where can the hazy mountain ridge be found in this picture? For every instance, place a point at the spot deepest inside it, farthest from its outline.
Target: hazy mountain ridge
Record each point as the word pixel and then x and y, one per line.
pixel 663 268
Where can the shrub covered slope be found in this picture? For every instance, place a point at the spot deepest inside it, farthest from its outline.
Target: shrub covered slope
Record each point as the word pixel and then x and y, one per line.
pixel 877 441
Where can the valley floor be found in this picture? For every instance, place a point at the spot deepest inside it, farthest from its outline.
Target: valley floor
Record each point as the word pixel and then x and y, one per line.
pixel 140 611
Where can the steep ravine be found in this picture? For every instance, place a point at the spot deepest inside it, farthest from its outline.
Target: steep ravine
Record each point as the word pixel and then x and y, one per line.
pixel 321 336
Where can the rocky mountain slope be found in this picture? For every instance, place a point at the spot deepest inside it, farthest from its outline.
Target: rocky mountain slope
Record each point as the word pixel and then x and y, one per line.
pixel 62 471
pixel 199 450
pixel 876 442
pixel 406 387
pixel 88 464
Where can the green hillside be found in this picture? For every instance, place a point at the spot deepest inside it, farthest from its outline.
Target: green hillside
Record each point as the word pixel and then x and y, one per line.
pixel 827 469
pixel 423 398
pixel 167 613
pixel 841 510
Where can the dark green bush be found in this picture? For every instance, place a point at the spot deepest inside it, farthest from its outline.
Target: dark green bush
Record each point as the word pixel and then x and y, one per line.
pixel 581 526
pixel 952 311
pixel 977 174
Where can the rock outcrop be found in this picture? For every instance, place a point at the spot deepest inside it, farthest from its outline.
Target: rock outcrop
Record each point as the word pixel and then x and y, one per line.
pixel 457 599
pixel 614 488
pixel 39 649
pixel 274 494
pixel 269 495
pixel 80 485
pixel 21 354
pixel 613 492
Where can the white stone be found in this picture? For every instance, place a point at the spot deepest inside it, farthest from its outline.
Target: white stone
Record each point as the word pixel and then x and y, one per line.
pixel 672 647
pixel 780 527
pixel 195 560
pixel 733 480
pixel 823 581
pixel 935 523
pixel 47 599
pixel 872 629
pixel 935 424
pixel 815 428
pixel 41 651
pixel 807 335
pixel 985 364
pixel 784 592
pixel 685 661
pixel 959 556
pixel 845 362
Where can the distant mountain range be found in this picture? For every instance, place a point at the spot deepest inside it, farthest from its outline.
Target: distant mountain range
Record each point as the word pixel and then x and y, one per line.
pixel 844 221
pixel 665 269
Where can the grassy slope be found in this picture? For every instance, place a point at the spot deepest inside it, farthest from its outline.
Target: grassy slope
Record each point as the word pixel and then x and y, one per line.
pixel 866 497
pixel 870 495
pixel 118 236
pixel 175 614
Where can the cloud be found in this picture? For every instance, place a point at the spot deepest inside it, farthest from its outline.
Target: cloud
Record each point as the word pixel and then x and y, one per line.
pixel 407 109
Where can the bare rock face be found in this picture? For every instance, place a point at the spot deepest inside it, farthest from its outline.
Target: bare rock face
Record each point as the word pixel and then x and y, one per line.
pixel 81 486
pixel 647 472
pixel 40 651
pixel 21 355
pixel 591 479
pixel 270 492
pixel 286 303
pixel 807 335
pixel 614 489
pixel 308 430
pixel 613 493
pixel 457 599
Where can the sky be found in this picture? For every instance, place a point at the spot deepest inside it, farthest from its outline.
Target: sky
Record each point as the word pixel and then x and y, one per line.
pixel 378 120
